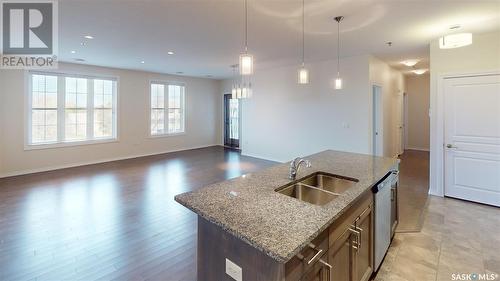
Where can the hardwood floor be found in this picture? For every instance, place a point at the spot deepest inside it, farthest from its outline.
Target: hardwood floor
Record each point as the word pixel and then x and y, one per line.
pixel 112 221
pixel 413 189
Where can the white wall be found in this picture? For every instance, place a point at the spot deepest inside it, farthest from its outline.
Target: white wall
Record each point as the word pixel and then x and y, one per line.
pixel 392 83
pixel 482 56
pixel 418 94
pixel 202 119
pixel 284 120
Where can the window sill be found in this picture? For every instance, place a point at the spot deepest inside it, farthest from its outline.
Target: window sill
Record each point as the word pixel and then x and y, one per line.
pixel 166 135
pixel 68 144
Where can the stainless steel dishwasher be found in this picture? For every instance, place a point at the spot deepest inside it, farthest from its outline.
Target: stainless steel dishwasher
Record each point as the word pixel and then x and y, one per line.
pixel 383 213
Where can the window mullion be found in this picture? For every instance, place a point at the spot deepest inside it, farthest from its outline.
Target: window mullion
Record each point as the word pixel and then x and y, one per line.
pixel 90 109
pixel 166 109
pixel 61 104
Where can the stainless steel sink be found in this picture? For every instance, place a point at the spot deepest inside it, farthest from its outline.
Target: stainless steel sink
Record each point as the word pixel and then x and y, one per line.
pixel 329 182
pixel 308 194
pixel 318 188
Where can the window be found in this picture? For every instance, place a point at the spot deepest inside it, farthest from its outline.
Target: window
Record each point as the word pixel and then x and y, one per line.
pixel 167 109
pixel 71 109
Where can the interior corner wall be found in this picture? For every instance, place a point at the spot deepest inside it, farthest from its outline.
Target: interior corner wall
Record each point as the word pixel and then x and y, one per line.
pixel 482 56
pixel 393 85
pixel 202 119
pixel 418 95
pixel 284 120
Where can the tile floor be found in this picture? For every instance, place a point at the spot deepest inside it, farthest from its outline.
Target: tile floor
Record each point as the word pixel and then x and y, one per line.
pixel 457 237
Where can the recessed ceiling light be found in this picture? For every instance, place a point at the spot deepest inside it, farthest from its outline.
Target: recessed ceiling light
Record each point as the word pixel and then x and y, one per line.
pixel 73 52
pixel 410 62
pixel 419 71
pixel 208 76
pixel 180 72
pixel 79 60
pixel 143 62
pixel 456 26
pixel 88 37
pixel 170 53
pixel 83 43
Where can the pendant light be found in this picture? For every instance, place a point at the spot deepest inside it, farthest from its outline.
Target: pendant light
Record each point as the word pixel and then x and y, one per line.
pixel 234 86
pixel 338 80
pixel 240 89
pixel 246 60
pixel 303 73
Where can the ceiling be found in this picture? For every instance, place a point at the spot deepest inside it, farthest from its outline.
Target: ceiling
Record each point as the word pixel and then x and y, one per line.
pixel 207 36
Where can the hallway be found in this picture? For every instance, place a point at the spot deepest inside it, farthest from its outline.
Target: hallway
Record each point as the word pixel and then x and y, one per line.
pixel 413 189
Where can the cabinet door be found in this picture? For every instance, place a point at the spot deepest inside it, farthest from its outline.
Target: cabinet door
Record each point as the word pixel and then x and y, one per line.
pixel 363 252
pixel 318 272
pixel 340 257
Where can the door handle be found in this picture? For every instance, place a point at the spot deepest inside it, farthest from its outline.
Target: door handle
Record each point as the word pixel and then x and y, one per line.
pixel 450 146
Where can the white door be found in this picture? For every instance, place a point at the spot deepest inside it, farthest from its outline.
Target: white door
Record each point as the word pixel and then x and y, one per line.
pixel 472 138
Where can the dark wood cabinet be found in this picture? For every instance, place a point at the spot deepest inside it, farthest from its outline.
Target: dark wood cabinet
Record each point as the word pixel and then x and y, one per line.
pixel 363 251
pixel 340 257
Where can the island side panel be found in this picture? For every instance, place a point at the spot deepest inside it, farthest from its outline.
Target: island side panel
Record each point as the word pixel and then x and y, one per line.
pixel 215 245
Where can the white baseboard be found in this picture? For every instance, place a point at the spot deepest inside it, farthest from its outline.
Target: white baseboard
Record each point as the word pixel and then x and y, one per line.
pixel 417 148
pixel 72 165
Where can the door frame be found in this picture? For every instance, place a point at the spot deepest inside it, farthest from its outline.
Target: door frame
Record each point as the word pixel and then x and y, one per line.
pixel 380 102
pixel 437 141
pixel 222 114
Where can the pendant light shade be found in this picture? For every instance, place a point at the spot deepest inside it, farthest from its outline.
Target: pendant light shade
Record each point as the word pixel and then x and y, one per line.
pixel 338 81
pixel 246 64
pixel 303 76
pixel 246 60
pixel 303 73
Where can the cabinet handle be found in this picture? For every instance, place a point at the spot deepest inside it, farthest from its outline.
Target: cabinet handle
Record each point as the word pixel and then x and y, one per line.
pixel 357 233
pixel 316 255
pixel 328 266
pixel 359 229
pixel 392 194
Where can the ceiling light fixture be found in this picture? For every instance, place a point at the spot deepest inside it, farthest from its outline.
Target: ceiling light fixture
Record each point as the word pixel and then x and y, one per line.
pixel 410 62
pixel 338 80
pixel 455 40
pixel 170 53
pixel 88 37
pixel 303 73
pixel 143 62
pixel 239 88
pixel 246 59
pixel 419 71
pixel 73 52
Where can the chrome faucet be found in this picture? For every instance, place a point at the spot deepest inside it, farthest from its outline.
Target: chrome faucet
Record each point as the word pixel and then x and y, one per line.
pixel 295 165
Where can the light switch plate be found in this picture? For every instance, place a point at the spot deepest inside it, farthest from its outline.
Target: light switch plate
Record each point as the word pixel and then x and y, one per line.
pixel 234 270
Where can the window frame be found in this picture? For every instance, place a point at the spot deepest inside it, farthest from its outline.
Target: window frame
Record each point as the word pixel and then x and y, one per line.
pixel 166 99
pixel 61 100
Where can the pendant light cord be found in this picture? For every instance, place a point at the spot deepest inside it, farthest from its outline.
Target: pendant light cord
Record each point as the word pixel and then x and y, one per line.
pixel 338 48
pixel 303 31
pixel 246 26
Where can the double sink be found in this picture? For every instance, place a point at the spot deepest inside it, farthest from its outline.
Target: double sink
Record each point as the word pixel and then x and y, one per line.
pixel 318 188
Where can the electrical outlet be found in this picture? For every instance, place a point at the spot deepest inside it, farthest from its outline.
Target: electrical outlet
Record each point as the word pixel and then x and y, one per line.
pixel 234 270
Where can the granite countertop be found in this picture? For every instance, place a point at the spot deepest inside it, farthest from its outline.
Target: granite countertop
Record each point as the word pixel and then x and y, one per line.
pixel 278 225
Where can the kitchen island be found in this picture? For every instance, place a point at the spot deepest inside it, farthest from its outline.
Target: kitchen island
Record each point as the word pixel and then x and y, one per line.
pixel 249 231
